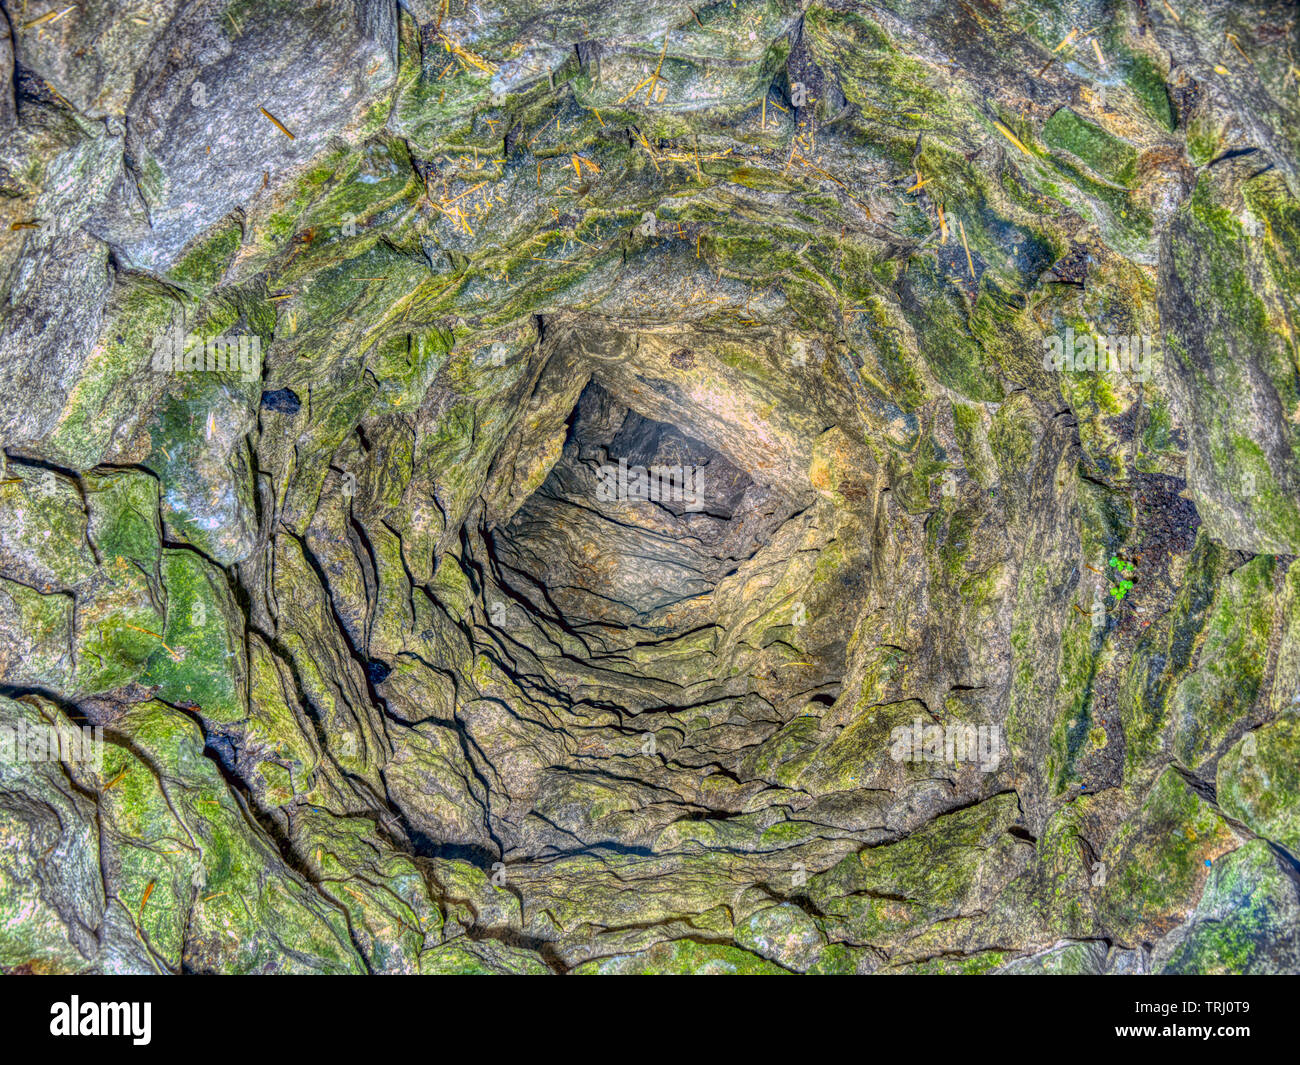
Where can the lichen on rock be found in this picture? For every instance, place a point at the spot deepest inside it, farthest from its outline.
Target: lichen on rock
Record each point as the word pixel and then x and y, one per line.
pixel 782 486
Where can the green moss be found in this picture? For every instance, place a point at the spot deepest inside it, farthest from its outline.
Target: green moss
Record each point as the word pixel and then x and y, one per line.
pixel 200 663
pixel 1259 782
pixel 45 529
pixel 405 366
pixel 972 438
pixel 879 893
pixel 124 518
pixel 1157 861
pixel 1247 909
pixel 891 90
pixel 1148 85
pixel 1276 510
pixel 683 957
pixel 1157 441
pixel 1111 172
pixel 914 482
pixel 783 757
pixel 1165 656
pixel 466 958
pixel 205 264
pixel 138 314
pixel 39 654
pixel 957 542
pixel 971 965
pixel 197 882
pixel 1012 439
pixel 1203 141
pixel 837 960
pixel 945 339
pixel 1230 672
pixel 1073 723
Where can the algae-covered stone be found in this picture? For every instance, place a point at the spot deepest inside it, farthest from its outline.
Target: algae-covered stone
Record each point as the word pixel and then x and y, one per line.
pixel 51 894
pixel 785 934
pixel 1063 959
pixel 219 898
pixel 1258 780
pixel 648 531
pixel 953 866
pixel 479 958
pixel 1157 864
pixel 1222 297
pixel 1247 921
pixel 252 90
pixel 684 957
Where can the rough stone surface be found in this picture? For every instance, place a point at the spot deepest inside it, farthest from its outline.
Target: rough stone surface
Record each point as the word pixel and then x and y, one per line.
pixel 947 656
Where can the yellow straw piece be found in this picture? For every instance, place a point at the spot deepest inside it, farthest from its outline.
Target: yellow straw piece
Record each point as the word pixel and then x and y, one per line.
pixel 655 79
pixel 277 123
pixel 1068 38
pixel 969 263
pixel 1011 137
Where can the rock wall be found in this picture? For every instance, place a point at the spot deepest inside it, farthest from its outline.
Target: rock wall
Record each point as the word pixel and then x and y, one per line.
pixel 965 637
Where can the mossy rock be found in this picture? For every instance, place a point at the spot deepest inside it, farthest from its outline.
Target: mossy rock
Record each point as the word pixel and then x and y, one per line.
pixel 1105 154
pixel 683 957
pixel 1245 923
pixel 1158 862
pixel 1258 782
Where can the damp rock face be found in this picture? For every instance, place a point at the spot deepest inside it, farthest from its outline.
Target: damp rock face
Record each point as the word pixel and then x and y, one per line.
pixel 779 487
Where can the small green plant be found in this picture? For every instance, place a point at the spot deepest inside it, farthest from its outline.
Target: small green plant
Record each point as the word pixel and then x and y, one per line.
pixel 1125 569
